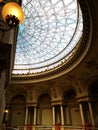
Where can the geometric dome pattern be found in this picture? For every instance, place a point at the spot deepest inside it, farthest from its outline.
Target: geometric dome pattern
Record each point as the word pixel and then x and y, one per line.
pixel 48 36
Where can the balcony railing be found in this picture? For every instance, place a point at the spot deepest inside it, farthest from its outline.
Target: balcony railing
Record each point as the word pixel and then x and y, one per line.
pixel 49 128
pixel 56 128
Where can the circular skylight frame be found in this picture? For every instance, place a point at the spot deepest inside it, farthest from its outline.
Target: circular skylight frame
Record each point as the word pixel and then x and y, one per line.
pixel 22 67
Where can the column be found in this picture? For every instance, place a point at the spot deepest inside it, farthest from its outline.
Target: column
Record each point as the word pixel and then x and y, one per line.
pixel 53 112
pixel 81 113
pixel 26 116
pixel 91 113
pixel 35 110
pixel 62 115
pixel 68 116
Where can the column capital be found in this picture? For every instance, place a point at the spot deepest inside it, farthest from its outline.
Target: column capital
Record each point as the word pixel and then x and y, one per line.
pixel 84 99
pixel 31 104
pixel 57 102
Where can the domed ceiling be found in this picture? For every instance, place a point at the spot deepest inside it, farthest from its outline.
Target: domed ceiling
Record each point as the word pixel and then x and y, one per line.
pixel 49 37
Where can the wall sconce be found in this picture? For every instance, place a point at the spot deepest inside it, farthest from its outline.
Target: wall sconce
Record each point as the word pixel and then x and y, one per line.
pixel 6 111
pixel 5 118
pixel 12 14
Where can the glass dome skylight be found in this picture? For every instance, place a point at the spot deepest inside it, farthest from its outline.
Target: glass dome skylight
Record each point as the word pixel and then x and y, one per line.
pixel 48 36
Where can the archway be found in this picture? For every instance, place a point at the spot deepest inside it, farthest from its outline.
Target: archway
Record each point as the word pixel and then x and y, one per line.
pixel 17 111
pixel 44 111
pixel 71 108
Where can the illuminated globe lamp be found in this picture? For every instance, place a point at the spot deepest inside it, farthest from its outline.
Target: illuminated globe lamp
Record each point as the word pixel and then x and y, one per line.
pixel 12 14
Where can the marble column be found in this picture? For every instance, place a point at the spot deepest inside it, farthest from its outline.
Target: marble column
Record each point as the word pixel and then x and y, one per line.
pixel 62 115
pixel 81 113
pixel 35 111
pixel 26 116
pixel 91 113
pixel 53 113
